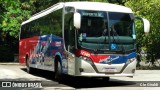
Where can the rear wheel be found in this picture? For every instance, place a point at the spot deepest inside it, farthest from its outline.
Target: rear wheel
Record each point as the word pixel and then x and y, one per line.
pixel 29 69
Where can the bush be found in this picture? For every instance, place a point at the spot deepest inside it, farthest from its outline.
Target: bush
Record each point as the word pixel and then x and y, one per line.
pixel 6 53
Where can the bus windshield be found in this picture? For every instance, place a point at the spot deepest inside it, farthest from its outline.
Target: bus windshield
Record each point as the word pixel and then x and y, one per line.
pixel 103 30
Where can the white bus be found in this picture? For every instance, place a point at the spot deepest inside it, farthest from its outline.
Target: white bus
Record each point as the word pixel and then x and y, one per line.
pixel 90 39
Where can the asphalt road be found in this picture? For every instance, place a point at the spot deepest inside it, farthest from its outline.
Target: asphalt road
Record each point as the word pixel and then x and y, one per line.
pixel 15 74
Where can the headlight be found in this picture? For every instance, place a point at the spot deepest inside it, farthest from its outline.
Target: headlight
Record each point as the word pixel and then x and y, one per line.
pixel 86 59
pixel 130 60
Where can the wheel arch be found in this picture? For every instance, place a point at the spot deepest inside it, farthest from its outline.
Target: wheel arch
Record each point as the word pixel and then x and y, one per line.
pixel 58 58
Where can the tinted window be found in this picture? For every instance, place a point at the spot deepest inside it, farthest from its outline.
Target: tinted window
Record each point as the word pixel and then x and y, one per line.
pixel 49 24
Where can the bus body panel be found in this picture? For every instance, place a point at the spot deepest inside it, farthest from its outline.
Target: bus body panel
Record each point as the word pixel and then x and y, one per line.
pixel 25 48
pixel 104 70
pixel 43 54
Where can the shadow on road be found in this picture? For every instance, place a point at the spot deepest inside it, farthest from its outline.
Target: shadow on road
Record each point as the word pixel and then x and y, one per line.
pixel 79 82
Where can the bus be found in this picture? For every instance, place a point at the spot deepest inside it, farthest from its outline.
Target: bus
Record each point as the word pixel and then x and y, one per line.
pixel 86 39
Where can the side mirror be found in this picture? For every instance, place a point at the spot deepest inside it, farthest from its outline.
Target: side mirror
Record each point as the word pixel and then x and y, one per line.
pixel 77 20
pixel 146 24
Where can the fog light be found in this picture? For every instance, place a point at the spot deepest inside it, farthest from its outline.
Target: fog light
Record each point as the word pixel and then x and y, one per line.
pixel 81 69
pixel 130 60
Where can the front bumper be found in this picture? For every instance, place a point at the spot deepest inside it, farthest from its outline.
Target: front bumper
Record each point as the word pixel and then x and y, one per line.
pixel 84 68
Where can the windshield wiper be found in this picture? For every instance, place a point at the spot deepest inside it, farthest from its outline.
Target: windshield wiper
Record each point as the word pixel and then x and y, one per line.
pixel 101 43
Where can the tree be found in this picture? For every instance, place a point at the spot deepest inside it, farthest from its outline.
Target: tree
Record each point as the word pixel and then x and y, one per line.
pixel 148 9
pixel 13 13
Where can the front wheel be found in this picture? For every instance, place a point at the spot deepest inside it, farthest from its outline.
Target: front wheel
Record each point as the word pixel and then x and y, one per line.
pixel 58 72
pixel 106 79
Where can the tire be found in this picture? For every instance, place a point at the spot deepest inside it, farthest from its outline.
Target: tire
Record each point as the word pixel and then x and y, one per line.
pixel 58 72
pixel 106 79
pixel 29 69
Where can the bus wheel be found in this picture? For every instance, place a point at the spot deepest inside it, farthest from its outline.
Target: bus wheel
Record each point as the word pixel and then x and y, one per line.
pixel 58 72
pixel 105 78
pixel 29 69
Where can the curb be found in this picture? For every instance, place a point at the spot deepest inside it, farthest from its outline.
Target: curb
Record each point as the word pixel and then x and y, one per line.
pixel 12 63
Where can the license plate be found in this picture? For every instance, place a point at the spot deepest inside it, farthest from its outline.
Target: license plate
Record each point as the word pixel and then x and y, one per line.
pixel 110 70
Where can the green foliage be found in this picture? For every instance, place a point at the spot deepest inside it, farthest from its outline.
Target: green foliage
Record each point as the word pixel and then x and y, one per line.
pixel 14 12
pixel 148 9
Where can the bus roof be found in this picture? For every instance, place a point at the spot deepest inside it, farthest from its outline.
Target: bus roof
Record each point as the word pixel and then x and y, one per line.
pixel 44 12
pixel 98 6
